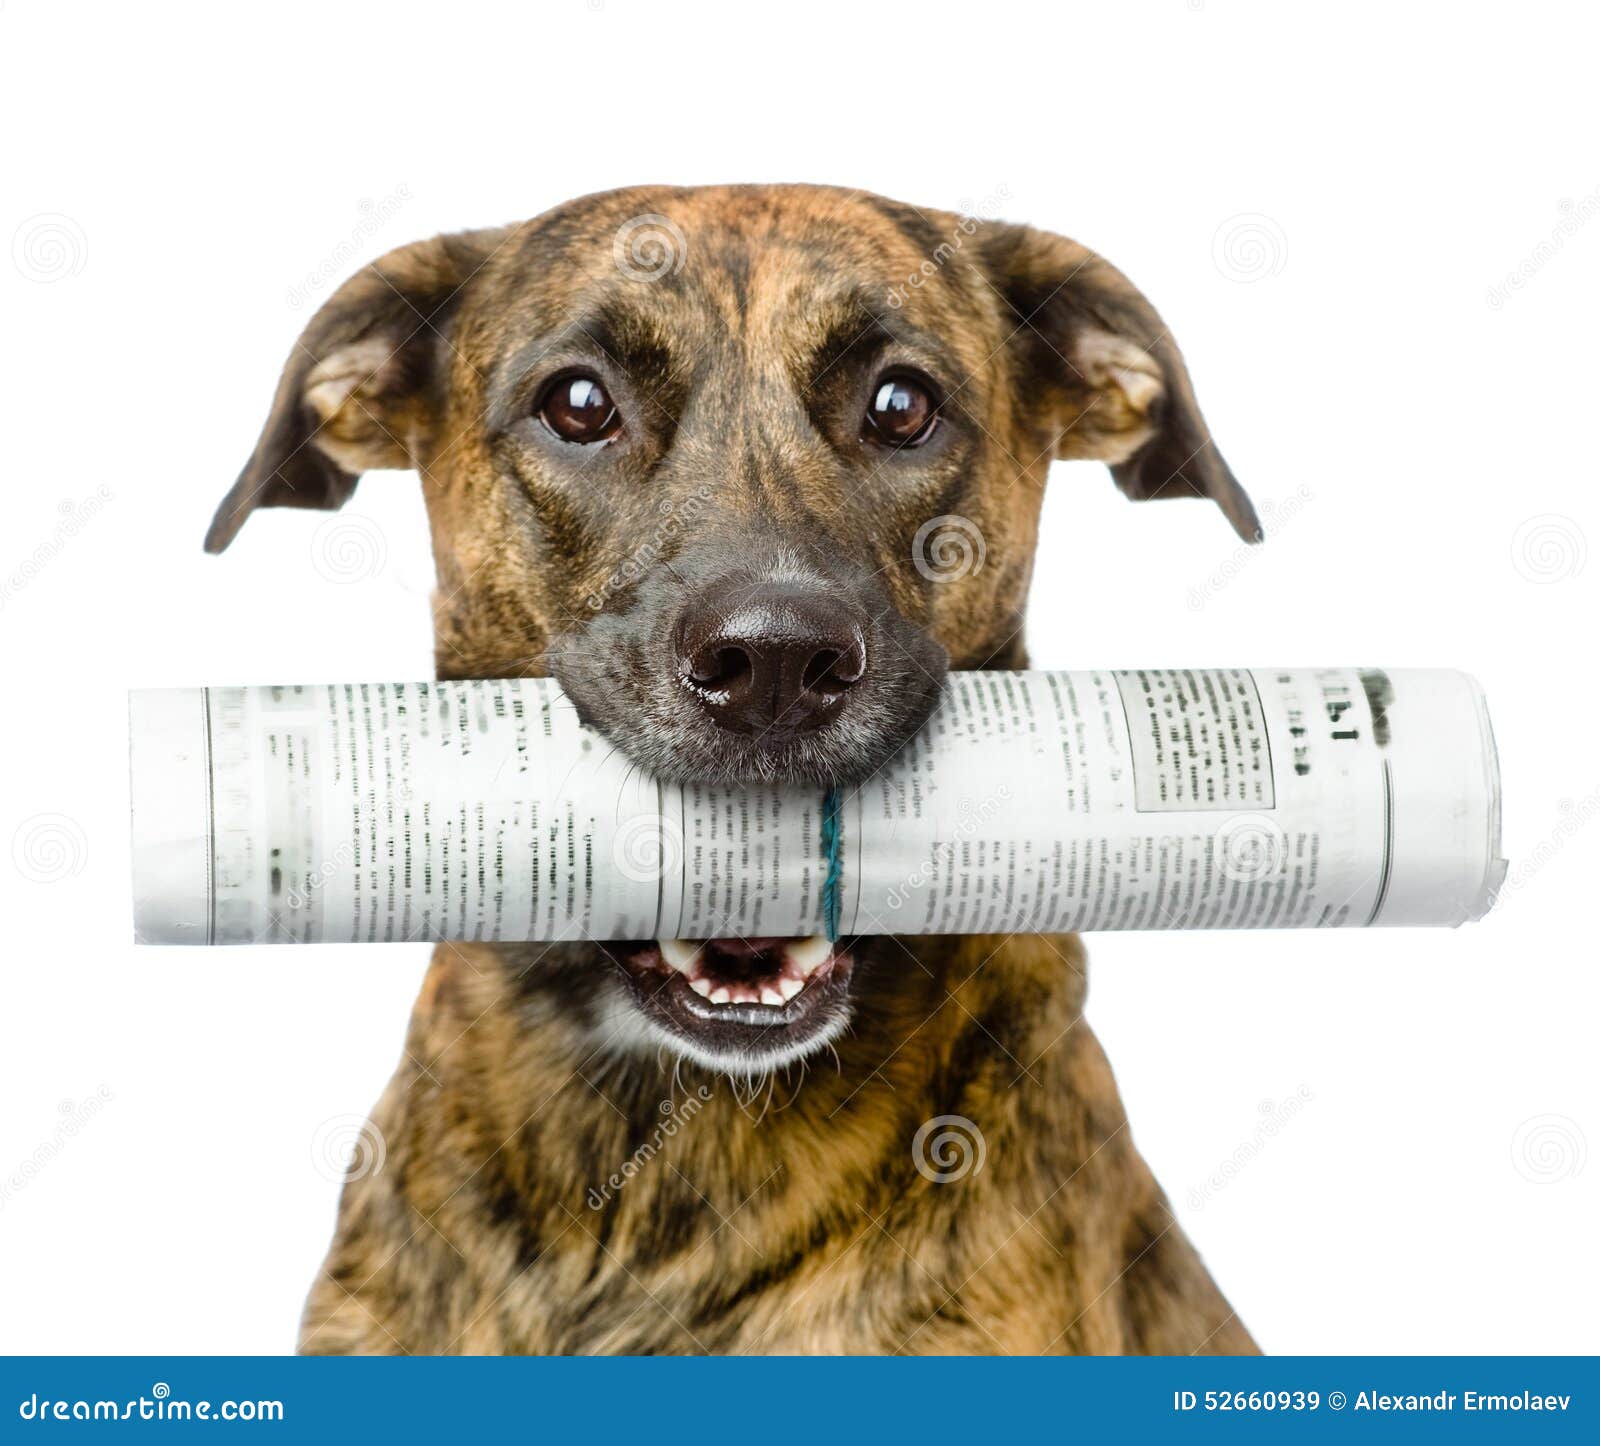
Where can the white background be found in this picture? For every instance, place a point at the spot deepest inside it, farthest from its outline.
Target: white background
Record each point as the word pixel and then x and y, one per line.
pixel 1321 202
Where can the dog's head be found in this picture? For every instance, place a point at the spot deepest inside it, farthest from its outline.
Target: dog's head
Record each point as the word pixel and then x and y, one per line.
pixel 747 469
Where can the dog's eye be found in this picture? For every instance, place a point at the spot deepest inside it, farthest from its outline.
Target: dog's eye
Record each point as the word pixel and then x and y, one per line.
pixel 902 412
pixel 578 409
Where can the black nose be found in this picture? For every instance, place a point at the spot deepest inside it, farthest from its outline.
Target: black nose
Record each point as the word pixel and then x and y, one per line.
pixel 770 657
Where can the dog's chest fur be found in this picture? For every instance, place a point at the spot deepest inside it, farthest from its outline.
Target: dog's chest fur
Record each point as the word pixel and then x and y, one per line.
pixel 538 1196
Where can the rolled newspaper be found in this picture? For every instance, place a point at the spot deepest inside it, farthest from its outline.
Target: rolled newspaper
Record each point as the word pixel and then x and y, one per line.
pixel 1188 798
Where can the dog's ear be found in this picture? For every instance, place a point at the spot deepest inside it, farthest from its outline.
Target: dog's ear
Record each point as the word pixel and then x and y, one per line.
pixel 1112 379
pixel 359 389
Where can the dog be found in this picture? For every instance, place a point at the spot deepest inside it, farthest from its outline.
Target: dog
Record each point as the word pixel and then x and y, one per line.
pixel 922 1150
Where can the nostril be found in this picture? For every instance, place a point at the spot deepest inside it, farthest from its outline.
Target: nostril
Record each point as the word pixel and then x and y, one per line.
pixel 818 675
pixel 832 670
pixel 720 669
pixel 733 666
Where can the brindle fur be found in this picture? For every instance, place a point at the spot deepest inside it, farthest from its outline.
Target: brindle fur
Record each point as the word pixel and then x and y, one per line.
pixel 783 1214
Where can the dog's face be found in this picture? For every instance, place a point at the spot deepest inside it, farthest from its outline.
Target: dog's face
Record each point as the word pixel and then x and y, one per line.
pixel 746 469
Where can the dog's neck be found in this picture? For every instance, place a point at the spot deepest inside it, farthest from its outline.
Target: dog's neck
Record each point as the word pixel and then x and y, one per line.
pixel 574 1128
pixel 961 1178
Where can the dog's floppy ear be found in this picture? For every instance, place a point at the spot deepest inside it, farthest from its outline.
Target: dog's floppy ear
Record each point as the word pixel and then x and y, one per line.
pixel 1112 378
pixel 358 389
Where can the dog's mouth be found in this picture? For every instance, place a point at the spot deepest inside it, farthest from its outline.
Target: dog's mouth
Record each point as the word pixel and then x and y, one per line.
pixel 742 1004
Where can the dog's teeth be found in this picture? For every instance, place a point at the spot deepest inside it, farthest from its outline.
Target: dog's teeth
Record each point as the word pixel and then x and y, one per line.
pixel 807 954
pixel 680 954
pixel 801 959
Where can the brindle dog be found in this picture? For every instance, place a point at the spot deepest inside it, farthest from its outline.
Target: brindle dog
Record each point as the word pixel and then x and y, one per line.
pixel 584 1150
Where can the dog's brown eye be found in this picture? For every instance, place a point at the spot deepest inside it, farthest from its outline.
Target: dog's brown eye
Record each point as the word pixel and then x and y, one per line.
pixel 578 409
pixel 902 412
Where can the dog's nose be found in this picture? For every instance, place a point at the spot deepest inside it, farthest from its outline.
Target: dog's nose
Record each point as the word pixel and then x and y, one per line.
pixel 770 656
